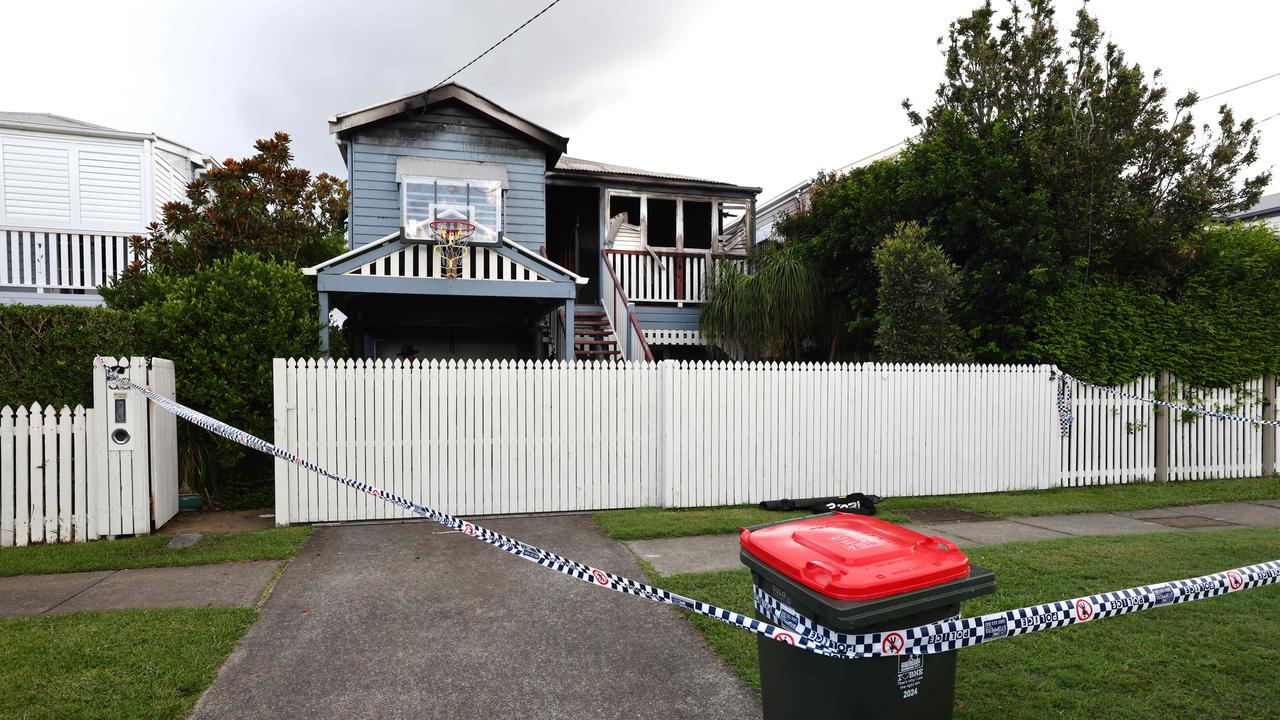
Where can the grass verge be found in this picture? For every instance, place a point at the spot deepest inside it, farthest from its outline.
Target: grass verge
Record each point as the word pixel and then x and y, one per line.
pixel 150 551
pixel 1214 658
pixel 121 664
pixel 645 523
pixel 1100 498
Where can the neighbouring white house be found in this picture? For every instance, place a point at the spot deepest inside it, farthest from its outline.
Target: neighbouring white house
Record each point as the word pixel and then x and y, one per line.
pixel 1266 210
pixel 796 199
pixel 71 194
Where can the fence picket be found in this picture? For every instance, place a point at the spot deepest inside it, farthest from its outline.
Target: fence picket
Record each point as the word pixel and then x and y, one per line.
pixel 61 440
pixel 7 476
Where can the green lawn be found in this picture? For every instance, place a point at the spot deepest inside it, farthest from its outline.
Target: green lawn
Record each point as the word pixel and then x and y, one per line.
pixel 150 551
pixel 1213 658
pixel 643 523
pixel 124 664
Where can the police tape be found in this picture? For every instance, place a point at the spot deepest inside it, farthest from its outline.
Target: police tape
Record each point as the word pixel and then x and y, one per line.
pixel 1066 412
pixel 965 632
pixel 784 623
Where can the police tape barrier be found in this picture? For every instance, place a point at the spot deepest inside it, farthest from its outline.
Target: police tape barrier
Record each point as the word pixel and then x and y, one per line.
pixel 1066 411
pixel 786 625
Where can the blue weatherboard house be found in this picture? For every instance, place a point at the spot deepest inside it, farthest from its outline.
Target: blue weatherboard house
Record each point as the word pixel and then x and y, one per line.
pixel 473 235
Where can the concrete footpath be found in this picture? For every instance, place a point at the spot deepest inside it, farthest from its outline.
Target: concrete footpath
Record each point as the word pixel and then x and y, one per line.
pixel 708 553
pixel 195 586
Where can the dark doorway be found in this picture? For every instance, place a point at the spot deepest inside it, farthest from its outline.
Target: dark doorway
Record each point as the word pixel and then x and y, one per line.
pixel 573 235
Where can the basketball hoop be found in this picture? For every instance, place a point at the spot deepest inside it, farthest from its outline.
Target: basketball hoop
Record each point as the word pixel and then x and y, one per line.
pixel 453 236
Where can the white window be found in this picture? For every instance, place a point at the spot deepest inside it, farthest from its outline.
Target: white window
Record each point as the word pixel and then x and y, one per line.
pixel 426 199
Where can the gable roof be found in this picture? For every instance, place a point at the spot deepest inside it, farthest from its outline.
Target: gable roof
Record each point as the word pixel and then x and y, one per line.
pixel 344 123
pixel 568 167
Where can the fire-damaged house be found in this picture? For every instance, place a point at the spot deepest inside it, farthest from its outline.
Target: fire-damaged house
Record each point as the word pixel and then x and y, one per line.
pixel 473 235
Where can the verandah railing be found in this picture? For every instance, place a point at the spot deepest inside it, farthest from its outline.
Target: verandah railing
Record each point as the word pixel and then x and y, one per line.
pixel 50 261
pixel 664 276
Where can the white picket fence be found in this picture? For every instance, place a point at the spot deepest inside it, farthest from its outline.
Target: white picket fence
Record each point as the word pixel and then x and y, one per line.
pixel 1113 438
pixel 44 471
pixel 492 437
pixel 62 479
pixel 1201 447
pixel 485 437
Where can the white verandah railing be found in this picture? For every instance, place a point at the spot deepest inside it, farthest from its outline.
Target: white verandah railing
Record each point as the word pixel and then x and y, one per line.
pixel 663 276
pixel 51 261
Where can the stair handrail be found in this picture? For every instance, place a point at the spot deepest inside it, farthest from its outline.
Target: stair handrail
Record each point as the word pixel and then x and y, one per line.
pixel 636 335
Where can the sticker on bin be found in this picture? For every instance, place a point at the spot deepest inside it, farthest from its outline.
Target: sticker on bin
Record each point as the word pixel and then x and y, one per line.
pixel 837 546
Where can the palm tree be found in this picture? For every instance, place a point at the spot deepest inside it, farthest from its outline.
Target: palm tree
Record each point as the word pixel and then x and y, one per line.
pixel 766 309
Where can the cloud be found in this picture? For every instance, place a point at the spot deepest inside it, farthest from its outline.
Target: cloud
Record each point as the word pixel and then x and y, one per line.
pixel 749 91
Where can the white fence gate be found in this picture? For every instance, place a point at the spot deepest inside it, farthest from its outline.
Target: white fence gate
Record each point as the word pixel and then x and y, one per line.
pixel 75 475
pixel 504 437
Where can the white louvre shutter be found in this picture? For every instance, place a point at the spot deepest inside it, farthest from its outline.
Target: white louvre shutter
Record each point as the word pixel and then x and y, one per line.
pixel 170 184
pixel 110 186
pixel 37 182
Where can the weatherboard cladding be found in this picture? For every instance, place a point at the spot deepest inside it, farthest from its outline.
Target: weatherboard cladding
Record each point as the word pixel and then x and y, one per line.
pixel 653 317
pixel 445 132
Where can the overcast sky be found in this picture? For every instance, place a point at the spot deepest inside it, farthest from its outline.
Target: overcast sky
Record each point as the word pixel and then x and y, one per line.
pixel 747 91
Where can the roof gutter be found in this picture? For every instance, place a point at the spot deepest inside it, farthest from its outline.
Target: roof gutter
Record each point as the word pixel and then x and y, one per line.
pixel 651 181
pixel 82 132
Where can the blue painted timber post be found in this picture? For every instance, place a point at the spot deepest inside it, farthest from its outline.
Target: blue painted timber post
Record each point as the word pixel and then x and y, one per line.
pixel 566 349
pixel 324 323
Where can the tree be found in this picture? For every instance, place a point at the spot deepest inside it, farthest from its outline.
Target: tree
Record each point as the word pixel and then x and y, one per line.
pixel 917 290
pixel 220 294
pixel 260 205
pixel 1039 166
pixel 769 310
pixel 222 325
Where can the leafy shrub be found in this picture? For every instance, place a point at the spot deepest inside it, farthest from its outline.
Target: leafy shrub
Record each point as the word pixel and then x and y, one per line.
pixel 222 325
pixel 769 311
pixel 917 291
pixel 46 351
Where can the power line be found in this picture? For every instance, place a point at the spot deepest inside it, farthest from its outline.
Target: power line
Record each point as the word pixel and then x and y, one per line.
pixel 1229 90
pixel 477 58
pixel 878 152
pixel 1206 97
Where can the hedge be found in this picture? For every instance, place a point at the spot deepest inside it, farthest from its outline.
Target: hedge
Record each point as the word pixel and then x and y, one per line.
pixel 47 351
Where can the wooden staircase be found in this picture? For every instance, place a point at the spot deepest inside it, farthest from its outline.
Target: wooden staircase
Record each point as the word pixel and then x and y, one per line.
pixel 593 338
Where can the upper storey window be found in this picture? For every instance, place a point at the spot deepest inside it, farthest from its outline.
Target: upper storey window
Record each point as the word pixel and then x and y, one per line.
pixel 425 199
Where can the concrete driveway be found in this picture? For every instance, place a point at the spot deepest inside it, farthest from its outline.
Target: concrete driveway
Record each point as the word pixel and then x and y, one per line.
pixel 411 621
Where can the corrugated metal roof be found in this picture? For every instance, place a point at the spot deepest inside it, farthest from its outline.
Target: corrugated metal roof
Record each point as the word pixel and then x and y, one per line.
pixel 48 119
pixel 573 164
pixel 1267 205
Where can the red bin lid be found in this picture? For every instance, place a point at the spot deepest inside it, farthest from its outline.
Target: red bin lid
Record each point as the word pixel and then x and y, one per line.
pixel 855 557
